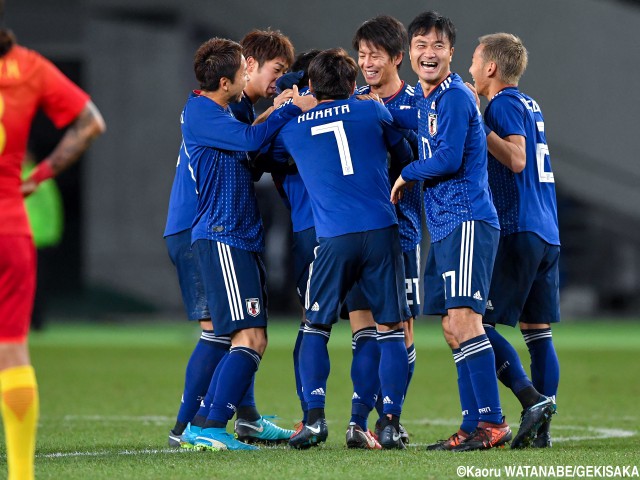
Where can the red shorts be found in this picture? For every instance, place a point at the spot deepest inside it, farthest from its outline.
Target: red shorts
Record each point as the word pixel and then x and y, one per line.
pixel 17 286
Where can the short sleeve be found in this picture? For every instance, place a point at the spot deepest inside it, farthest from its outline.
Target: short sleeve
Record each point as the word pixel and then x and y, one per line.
pixel 62 100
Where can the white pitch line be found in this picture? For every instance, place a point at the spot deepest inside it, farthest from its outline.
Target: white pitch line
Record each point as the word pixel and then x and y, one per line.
pixel 591 433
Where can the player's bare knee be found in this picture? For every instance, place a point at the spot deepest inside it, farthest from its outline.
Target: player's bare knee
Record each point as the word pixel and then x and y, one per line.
pixel 253 338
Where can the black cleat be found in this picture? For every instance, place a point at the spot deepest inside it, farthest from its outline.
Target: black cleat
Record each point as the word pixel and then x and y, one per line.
pixel 404 435
pixel 531 420
pixel 390 438
pixel 358 438
pixel 486 436
pixel 543 440
pixel 308 436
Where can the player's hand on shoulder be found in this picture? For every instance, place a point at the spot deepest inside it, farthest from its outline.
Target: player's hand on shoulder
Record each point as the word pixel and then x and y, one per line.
pixel 303 102
pixel 283 97
pixel 475 93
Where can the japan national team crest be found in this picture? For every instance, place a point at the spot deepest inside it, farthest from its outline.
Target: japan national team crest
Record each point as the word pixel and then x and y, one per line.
pixel 253 306
pixel 433 124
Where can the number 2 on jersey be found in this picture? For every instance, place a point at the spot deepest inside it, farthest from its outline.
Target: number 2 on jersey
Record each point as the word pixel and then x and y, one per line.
pixel 343 144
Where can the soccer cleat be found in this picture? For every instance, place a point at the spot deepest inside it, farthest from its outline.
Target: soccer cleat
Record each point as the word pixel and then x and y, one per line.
pixel 485 436
pixel 358 438
pixel 216 439
pixel 310 435
pixel 543 440
pixel 450 443
pixel 404 435
pixel 261 431
pixel 531 420
pixel 186 440
pixel 390 438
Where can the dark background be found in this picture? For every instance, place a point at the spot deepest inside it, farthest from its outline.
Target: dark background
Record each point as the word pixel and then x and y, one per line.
pixel 135 59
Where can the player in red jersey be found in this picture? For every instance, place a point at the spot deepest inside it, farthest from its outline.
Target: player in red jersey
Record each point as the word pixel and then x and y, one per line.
pixel 28 82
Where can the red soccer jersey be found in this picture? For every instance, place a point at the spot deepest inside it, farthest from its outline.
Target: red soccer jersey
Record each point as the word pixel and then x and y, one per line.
pixel 28 81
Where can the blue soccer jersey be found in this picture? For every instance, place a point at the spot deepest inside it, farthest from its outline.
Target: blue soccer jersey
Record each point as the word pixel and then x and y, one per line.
pixel 294 193
pixel 525 201
pixel 409 209
pixel 183 200
pixel 453 157
pixel 348 186
pixel 216 145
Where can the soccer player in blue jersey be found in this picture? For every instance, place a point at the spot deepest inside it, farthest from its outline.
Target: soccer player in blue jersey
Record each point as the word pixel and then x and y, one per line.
pixel 269 52
pixel 294 194
pixel 524 286
pixel 340 148
pixel 214 150
pixel 462 222
pixel 380 43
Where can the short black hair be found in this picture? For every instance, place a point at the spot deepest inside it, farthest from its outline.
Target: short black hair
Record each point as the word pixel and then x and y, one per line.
pixel 423 23
pixel 217 58
pixel 267 45
pixel 302 63
pixel 333 74
pixel 384 32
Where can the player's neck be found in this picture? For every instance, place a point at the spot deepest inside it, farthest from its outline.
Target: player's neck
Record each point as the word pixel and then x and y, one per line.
pixel 219 96
pixel 251 95
pixel 496 88
pixel 388 89
pixel 430 86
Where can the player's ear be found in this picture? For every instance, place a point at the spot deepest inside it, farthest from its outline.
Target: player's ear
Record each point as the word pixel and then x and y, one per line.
pixel 451 54
pixel 311 87
pixel 252 64
pixel 398 59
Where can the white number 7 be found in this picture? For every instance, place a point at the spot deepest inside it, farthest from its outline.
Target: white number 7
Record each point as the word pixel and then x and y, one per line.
pixel 343 145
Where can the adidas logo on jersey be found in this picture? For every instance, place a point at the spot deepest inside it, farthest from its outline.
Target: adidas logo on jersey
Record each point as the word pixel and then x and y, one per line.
pixel 355 396
pixel 315 307
pixel 318 391
pixel 387 401
pixel 489 305
pixel 477 295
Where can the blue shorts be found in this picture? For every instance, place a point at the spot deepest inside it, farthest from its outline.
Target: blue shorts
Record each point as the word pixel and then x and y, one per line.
pixel 189 278
pixel 357 301
pixel 458 269
pixel 235 285
pixel 304 242
pixel 374 260
pixel 525 283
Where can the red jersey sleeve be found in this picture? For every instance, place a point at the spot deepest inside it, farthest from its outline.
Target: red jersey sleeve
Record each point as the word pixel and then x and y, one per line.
pixel 62 100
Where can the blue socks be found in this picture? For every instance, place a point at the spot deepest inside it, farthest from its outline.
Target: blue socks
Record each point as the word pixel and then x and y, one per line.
pixel 234 378
pixel 411 354
pixel 296 372
pixel 470 415
pixel 545 369
pixel 366 384
pixel 509 369
pixel 393 370
pixel 205 358
pixel 314 365
pixel 481 363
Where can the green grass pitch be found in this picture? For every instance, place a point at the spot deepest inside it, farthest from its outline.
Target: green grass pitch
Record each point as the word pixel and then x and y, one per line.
pixel 109 394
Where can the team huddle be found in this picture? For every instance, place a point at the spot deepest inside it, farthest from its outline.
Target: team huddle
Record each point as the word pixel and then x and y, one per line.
pixel 357 167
